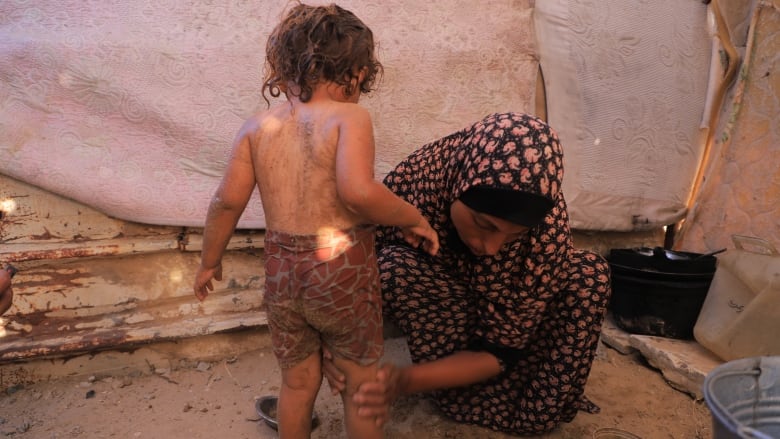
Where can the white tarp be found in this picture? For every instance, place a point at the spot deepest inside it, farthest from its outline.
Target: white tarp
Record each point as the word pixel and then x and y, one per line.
pixel 130 106
pixel 626 89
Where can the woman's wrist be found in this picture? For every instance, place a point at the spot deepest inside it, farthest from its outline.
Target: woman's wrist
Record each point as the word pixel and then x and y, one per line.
pixel 404 379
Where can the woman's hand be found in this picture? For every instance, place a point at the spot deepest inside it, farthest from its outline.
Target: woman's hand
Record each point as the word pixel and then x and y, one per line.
pixel 336 379
pixel 374 398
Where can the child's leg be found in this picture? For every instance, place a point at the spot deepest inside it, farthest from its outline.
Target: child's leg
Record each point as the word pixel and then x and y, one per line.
pixel 358 427
pixel 300 385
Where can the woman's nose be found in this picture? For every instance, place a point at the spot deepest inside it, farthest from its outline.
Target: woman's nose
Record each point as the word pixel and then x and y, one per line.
pixel 493 243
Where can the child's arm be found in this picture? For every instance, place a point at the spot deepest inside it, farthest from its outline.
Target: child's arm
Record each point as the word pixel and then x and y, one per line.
pixel 225 209
pixel 364 195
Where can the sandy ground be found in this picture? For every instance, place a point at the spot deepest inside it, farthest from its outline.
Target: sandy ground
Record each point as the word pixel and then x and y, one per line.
pixel 197 399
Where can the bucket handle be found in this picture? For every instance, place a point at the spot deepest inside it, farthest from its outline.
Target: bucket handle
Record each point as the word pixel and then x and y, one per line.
pixel 751 433
pixel 766 248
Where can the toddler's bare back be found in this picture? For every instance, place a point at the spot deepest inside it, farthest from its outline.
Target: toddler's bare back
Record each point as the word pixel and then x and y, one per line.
pixel 294 156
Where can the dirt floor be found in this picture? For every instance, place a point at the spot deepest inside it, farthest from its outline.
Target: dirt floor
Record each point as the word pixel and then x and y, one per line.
pixel 215 399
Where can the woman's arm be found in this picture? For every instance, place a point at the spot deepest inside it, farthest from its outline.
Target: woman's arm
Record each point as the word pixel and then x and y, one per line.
pixel 459 369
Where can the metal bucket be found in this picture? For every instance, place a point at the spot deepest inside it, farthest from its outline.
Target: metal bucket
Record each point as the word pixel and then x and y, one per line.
pixel 744 398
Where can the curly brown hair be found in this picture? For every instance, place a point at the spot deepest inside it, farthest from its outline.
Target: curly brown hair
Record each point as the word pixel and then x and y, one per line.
pixel 319 43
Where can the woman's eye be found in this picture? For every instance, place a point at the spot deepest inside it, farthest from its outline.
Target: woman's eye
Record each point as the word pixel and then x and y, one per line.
pixel 484 224
pixel 489 227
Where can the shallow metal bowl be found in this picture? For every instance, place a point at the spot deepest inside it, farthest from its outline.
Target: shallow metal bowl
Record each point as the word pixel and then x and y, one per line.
pixel 266 409
pixel 613 433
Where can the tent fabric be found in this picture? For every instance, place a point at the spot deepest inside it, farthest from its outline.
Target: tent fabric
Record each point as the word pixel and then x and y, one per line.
pixel 627 84
pixel 741 191
pixel 130 107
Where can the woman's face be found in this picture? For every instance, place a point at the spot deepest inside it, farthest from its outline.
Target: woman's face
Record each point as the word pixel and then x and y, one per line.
pixel 483 234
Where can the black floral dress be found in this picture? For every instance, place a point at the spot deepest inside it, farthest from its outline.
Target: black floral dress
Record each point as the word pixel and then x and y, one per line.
pixel 538 304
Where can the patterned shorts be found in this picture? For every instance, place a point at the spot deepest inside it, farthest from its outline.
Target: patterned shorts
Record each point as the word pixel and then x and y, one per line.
pixel 323 289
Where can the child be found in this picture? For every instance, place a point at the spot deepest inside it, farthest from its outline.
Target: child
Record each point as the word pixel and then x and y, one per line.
pixel 312 159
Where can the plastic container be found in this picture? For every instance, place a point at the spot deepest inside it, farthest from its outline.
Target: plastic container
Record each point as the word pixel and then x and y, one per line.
pixel 659 292
pixel 740 317
pixel 744 398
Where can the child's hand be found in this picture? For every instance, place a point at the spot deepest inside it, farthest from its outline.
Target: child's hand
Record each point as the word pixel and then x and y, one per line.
pixel 203 283
pixel 422 233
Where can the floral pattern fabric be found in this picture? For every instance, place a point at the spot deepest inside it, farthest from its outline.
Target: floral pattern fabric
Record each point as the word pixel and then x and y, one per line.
pixel 538 304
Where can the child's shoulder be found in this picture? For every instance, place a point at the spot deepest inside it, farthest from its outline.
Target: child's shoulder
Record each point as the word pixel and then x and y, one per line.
pixel 351 107
pixel 262 119
pixel 349 111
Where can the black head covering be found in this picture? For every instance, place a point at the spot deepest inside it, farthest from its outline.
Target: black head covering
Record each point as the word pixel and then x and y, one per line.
pixel 523 208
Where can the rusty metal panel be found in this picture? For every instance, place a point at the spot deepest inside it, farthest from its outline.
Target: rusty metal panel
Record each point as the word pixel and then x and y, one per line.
pixel 89 282
pixel 81 305
pixel 92 304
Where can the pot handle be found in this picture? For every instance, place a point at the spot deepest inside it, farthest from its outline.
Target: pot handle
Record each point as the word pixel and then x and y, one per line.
pixel 762 245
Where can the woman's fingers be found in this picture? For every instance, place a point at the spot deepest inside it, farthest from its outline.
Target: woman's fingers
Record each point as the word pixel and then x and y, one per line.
pixel 381 413
pixel 371 394
pixel 375 397
pixel 336 379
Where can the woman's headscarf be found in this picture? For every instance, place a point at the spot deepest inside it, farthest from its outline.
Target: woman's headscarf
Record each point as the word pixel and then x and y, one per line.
pixel 504 152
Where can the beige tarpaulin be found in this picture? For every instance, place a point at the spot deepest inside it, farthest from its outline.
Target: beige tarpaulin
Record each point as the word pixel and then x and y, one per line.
pixel 130 106
pixel 626 89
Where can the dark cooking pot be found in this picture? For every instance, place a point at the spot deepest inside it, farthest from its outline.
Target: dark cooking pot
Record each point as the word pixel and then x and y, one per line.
pixel 657 291
pixel 663 261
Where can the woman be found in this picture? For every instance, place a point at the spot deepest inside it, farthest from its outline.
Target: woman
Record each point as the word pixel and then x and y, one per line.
pixel 503 323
